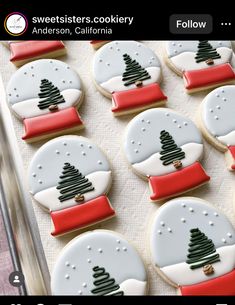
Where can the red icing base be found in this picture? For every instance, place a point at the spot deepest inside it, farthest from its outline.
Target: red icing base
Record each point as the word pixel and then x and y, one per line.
pixel 33 48
pixel 232 151
pixel 81 216
pixel 98 43
pixel 51 122
pixel 178 182
pixel 222 285
pixel 214 75
pixel 137 98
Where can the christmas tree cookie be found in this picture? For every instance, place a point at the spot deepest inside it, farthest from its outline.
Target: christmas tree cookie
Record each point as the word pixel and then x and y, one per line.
pixel 45 95
pixel 29 50
pixel 203 64
pixel 217 122
pixel 129 73
pixel 70 177
pixel 99 263
pixel 193 247
pixel 164 147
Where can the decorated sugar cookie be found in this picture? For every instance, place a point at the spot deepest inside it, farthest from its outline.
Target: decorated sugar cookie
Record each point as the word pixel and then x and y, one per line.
pixel 69 176
pixel 96 44
pixel 129 73
pixel 203 64
pixel 217 121
pixel 193 247
pixel 165 148
pixel 29 50
pixel 99 263
pixel 45 95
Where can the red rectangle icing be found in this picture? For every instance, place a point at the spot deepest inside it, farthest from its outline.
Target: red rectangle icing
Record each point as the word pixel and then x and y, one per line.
pixel 222 285
pixel 232 151
pixel 32 48
pixel 138 97
pixel 51 122
pixel 209 76
pixel 82 215
pixel 177 182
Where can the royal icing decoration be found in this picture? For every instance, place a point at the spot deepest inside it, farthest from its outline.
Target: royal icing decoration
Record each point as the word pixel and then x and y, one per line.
pixel 165 147
pixel 197 254
pixel 25 51
pixel 96 44
pixel 99 263
pixel 45 94
pixel 203 64
pixel 217 121
pixel 129 73
pixel 70 177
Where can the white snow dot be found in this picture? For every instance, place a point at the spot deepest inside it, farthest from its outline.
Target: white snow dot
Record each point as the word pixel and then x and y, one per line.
pixel 222 90
pixel 216 117
pixel 162 223
pixel 34 175
pixel 132 142
pixel 88 247
pixel 175 51
pixel 152 58
pixel 142 120
pixel 89 146
pixel 139 45
pixel 183 205
pixel 223 240
pixel 117 249
pixel 64 143
pixel 224 99
pixel 17 95
pixel 108 64
pixel 229 235
pixel 67 276
pixel 211 223
pixel 70 82
pixel 150 62
pixel 179 126
pixel 185 124
pixel 81 144
pixel 159 232
pixel 83 153
pixel 39 166
pixel 173 43
pixel 211 110
pixel 174 121
pixel 67 153
pixel 183 220
pixel 136 151
pixel 167 113
pixel 136 53
pixel 89 260
pixel 191 210
pixel 216 214
pixel 99 162
pixel 218 107
pixel 100 250
pixel 63 81
pixel 68 67
pixel 139 143
pixel 180 45
pixel 205 213
pixel 148 121
pixel 100 60
pixel 67 264
pixel 31 67
pixel 73 267
pixel 57 152
pixel 124 249
pixel 40 181
pixel 118 49
pixel 143 129
pixel 56 69
pixel 84 285
pixel 79 292
pixel 169 230
pixel 111 47
pixel 217 95
pixel 118 241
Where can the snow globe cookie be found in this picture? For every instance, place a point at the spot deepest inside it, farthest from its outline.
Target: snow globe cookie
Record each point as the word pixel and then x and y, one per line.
pixel 29 50
pixel 70 177
pixel 165 147
pixel 129 73
pixel 217 121
pixel 45 95
pixel 99 262
pixel 193 247
pixel 203 64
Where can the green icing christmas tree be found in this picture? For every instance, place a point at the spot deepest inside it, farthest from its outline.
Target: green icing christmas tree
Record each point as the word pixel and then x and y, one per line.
pixel 134 73
pixel 104 284
pixel 170 151
pixel 201 250
pixel 49 95
pixel 206 52
pixel 73 184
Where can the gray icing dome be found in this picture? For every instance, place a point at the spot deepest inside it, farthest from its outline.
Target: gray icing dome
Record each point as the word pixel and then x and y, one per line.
pixel 218 111
pixel 142 137
pixel 108 61
pixel 170 233
pixel 26 81
pixel 175 47
pixel 73 271
pixel 47 164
